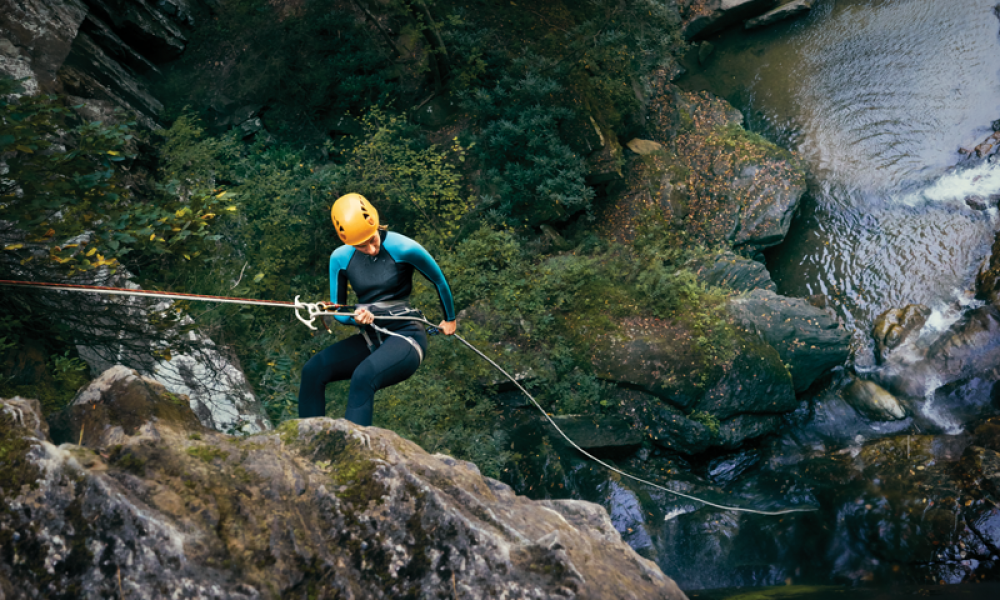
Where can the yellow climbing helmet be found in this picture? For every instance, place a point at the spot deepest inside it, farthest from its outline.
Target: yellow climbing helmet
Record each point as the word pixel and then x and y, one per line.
pixel 355 218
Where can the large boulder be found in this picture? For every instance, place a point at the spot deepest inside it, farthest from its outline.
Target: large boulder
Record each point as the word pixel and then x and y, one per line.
pixel 711 179
pixel 157 507
pixel 687 406
pixel 810 340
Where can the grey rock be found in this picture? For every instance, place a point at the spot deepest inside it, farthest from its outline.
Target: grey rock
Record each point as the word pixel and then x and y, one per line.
pixel 38 36
pixel 89 72
pixel 976 202
pixel 157 33
pixel 969 349
pixel 873 401
pixel 791 8
pixel 732 271
pixel 810 341
pixel 324 505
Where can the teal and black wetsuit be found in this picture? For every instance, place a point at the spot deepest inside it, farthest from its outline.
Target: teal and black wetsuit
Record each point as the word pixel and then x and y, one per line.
pixel 371 360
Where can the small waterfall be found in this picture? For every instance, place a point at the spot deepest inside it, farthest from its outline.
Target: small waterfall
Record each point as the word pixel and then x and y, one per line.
pixel 935 414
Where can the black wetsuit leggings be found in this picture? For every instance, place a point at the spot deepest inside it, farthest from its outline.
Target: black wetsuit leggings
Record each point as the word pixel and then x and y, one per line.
pixel 392 362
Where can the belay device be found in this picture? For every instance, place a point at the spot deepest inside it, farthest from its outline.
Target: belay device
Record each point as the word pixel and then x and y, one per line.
pixel 315 310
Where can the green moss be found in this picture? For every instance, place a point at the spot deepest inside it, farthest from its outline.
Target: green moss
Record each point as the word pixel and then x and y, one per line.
pixel 747 145
pixel 206 453
pixel 710 421
pixel 16 469
pixel 194 436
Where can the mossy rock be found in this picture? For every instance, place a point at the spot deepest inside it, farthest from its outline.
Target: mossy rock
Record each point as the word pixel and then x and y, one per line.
pixel 120 398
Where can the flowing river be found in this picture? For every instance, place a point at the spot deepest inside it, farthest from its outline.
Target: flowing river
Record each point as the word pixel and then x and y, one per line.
pixel 877 96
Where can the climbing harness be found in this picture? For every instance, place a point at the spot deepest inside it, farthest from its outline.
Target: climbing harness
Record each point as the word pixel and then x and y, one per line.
pixel 317 310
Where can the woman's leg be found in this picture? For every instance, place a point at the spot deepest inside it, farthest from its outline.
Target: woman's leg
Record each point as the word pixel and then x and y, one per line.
pixel 394 361
pixel 335 363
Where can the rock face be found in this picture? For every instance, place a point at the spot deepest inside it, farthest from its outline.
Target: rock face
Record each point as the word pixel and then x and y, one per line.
pixel 94 50
pixel 154 506
pixel 810 340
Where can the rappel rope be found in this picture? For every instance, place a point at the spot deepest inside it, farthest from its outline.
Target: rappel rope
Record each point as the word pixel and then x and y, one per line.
pixel 552 422
pixel 315 310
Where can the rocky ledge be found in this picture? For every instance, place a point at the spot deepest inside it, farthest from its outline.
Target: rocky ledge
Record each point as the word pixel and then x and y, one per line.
pixel 153 505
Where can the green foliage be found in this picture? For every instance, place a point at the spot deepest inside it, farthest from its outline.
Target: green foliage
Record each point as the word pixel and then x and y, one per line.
pixel 71 370
pixel 63 193
pixel 415 184
pixel 530 87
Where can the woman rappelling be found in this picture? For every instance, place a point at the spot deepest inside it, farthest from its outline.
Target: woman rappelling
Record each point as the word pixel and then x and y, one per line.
pixel 378 265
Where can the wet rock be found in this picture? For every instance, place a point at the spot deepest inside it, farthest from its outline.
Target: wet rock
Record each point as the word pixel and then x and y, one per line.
pixel 896 326
pixel 809 340
pixel 988 279
pixel 976 202
pixel 644 146
pixel 987 434
pixel 716 15
pixel 968 350
pixel 324 505
pixel 791 8
pixel 732 271
pixel 871 400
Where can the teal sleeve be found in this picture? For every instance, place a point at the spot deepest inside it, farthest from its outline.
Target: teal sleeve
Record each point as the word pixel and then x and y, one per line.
pixel 338 279
pixel 409 251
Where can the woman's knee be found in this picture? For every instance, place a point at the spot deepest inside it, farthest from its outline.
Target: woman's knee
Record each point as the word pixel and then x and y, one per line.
pixel 314 370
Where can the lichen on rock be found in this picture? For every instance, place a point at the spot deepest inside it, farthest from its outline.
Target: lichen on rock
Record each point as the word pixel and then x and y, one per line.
pixel 319 507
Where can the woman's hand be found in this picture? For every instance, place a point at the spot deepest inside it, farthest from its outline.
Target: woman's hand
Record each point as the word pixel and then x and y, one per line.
pixel 448 327
pixel 363 317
